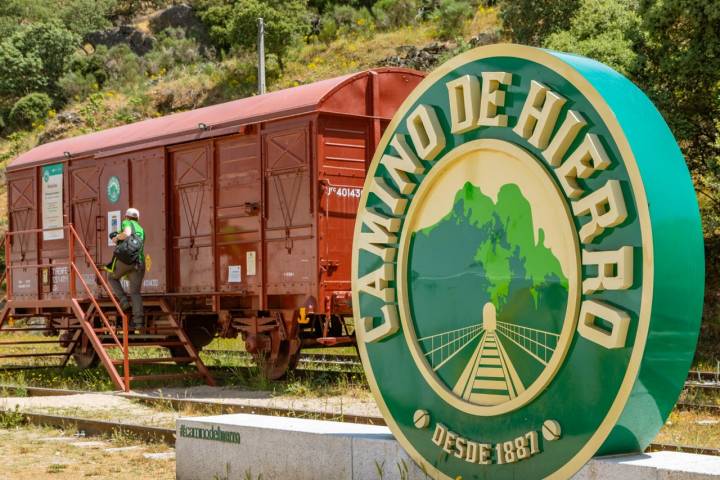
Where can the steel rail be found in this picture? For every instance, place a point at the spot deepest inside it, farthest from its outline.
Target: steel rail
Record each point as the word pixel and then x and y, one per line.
pixel 91 427
pixel 353 360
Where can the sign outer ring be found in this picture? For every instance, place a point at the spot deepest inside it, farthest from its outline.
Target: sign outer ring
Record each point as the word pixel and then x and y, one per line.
pixel 587 77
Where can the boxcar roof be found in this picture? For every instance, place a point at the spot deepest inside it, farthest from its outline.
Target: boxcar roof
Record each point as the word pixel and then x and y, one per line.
pixel 185 126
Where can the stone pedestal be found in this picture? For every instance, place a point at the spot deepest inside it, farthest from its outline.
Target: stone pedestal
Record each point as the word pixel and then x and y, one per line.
pixel 243 447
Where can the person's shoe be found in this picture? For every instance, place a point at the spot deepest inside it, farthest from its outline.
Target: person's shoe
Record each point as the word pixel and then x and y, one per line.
pixel 138 326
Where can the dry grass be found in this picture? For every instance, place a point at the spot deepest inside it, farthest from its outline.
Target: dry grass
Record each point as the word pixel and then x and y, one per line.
pixel 317 61
pixel 691 429
pixel 28 454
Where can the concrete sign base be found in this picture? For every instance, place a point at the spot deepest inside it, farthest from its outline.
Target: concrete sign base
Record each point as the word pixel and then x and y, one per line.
pixel 243 446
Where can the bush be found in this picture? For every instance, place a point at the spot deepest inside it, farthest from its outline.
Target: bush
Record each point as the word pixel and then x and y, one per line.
pixel 605 30
pixel 530 21
pixel 75 85
pixel 29 110
pixel 395 13
pixel 450 17
pixel 345 20
pixel 123 66
pixel 328 29
pixel 172 49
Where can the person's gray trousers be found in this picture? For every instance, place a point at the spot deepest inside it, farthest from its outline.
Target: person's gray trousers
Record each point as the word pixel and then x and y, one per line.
pixel 135 275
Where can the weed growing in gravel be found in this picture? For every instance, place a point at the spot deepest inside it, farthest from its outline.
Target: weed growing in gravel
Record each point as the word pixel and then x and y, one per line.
pixel 12 418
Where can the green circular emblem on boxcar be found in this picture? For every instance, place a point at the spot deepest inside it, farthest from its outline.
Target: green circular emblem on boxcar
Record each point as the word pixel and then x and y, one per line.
pixel 113 189
pixel 527 267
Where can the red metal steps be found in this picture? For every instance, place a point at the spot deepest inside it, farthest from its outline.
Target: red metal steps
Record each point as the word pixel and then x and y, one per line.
pixel 101 326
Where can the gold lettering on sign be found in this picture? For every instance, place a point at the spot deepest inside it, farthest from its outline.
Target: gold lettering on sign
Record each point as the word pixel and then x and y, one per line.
pixel 376 283
pixel 571 126
pixel 426 133
pixel 592 310
pixel 588 158
pixel 388 195
pixel 614 270
pixel 399 167
pixel 606 208
pixel 491 98
pixel 389 326
pixel 539 115
pixel 463 96
pixel 382 233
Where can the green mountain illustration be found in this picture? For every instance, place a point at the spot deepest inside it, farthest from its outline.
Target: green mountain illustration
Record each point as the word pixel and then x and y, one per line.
pixel 483 251
pixel 509 239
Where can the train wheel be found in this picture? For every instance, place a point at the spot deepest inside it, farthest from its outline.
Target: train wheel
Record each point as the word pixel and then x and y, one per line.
pixel 287 358
pixel 87 359
pixel 84 355
pixel 201 329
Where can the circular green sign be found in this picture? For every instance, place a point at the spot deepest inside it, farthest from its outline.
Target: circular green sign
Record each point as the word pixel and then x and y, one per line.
pixel 528 257
pixel 113 189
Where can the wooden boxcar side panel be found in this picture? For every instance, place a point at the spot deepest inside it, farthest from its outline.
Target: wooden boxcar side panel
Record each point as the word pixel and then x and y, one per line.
pixel 84 199
pixel 289 229
pixel 22 206
pixel 238 215
pixel 342 156
pixel 148 196
pixel 192 218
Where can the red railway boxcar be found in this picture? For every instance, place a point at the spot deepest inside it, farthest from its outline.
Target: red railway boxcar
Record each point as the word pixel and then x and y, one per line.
pixel 248 208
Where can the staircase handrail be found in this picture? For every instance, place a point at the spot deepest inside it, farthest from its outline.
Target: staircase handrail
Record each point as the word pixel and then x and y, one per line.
pixel 73 237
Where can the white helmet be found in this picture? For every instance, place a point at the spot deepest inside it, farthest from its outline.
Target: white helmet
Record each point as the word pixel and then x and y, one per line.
pixel 133 213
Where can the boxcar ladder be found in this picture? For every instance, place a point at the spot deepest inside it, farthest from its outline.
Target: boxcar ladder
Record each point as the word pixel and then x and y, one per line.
pixel 95 324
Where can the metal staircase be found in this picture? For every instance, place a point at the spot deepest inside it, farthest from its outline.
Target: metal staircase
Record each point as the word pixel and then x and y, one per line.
pixel 93 327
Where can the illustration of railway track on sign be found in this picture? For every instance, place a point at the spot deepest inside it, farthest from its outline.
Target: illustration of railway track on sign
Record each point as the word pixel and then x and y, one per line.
pixel 485 242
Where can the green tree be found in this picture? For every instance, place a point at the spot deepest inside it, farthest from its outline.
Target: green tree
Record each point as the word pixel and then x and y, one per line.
pixel 84 16
pixel 51 44
pixel 531 21
pixel 286 22
pixel 606 30
pixel 215 15
pixel 20 74
pixel 681 73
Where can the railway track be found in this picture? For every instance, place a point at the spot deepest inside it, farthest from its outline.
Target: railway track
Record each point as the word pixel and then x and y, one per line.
pixel 308 359
pixel 91 427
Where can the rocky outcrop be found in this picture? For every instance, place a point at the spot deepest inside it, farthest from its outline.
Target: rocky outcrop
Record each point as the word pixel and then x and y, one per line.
pixel 424 58
pixel 138 41
pixel 428 57
pixel 181 17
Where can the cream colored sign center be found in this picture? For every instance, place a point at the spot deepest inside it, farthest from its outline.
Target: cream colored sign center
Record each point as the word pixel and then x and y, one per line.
pixel 491 164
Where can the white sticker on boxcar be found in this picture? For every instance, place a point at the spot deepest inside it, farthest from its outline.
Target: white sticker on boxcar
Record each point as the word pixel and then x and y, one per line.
pixel 113 219
pixel 250 260
pixel 234 273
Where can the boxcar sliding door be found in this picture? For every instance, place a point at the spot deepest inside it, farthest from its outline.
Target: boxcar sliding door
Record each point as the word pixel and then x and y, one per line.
pixel 192 217
pixel 238 218
pixel 22 201
pixel 289 233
